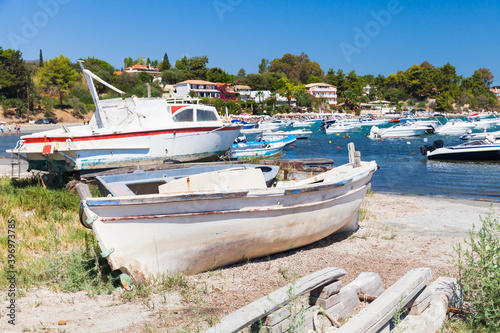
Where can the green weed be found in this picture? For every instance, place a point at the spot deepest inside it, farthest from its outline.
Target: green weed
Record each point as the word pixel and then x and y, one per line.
pixel 479 275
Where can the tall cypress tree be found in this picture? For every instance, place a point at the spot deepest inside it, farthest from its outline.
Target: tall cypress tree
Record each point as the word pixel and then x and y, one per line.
pixel 165 64
pixel 41 59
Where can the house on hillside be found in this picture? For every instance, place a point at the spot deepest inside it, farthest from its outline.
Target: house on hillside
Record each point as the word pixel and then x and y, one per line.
pixel 244 91
pixel 323 90
pixel 496 91
pixel 143 68
pixel 200 87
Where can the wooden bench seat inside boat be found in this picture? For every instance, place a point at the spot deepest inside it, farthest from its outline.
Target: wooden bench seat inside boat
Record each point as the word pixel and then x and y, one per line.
pixel 223 180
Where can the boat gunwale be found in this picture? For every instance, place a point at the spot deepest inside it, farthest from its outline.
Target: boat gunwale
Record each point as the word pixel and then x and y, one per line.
pixel 370 168
pixel 234 211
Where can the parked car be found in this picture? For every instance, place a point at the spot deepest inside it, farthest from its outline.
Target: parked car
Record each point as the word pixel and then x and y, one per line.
pixel 46 121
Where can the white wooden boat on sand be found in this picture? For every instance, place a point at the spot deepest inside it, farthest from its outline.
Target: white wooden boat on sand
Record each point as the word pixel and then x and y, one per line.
pixel 207 220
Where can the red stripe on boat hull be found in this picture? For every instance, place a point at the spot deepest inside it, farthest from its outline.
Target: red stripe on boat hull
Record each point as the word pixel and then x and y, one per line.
pixel 127 135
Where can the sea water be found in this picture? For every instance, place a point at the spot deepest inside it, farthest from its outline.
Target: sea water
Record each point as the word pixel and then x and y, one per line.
pixel 403 169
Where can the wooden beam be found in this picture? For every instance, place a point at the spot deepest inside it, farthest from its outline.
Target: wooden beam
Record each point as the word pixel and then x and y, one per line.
pixel 245 316
pixel 83 191
pixel 379 312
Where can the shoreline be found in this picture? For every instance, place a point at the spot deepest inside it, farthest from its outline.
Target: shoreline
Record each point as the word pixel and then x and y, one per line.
pixel 398 233
pixel 6 168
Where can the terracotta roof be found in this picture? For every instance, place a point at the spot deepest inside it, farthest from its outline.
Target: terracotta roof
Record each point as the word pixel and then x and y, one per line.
pixel 144 67
pixel 310 85
pixel 196 82
pixel 242 87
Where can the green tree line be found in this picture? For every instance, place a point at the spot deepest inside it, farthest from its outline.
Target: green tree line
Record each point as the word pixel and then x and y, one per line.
pixel 41 86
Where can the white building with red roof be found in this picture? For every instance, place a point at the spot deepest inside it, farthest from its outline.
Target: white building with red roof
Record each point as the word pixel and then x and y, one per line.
pixel 142 68
pixel 323 90
pixel 200 87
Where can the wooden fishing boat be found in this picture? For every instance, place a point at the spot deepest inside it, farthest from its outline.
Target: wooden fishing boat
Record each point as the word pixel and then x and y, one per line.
pixel 210 219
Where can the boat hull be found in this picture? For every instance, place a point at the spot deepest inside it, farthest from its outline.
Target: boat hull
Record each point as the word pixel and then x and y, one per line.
pixel 167 234
pixel 483 153
pixel 77 153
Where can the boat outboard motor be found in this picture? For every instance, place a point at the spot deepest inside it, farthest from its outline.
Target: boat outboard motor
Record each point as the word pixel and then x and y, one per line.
pixel 438 144
pixel 435 145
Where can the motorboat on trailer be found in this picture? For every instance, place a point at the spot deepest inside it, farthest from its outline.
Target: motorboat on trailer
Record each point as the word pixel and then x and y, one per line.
pixel 477 150
pixel 195 222
pixel 129 132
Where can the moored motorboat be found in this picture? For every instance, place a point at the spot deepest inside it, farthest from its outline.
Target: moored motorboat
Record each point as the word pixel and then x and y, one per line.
pixel 301 123
pixel 212 219
pixel 255 149
pixel 455 127
pixel 477 150
pixel 299 134
pixel 396 131
pixel 338 127
pixel 478 136
pixel 129 132
pixel 374 122
pixel 485 123
pixel 288 140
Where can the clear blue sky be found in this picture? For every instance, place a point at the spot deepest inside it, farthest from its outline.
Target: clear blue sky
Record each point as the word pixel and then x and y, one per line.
pixel 237 34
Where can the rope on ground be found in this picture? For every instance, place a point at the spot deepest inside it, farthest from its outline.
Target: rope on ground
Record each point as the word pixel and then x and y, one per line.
pixel 326 329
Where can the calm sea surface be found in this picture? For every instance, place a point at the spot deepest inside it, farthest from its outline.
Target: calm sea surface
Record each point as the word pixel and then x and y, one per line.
pixel 402 168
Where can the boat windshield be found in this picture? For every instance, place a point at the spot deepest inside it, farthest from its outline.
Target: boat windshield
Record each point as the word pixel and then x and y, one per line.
pixel 184 115
pixel 474 143
pixel 205 115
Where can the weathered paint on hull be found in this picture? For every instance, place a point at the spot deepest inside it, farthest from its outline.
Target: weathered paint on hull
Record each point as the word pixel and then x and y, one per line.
pixel 196 233
pixel 89 155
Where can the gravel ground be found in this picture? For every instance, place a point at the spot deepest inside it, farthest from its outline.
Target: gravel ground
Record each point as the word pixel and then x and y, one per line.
pixel 398 234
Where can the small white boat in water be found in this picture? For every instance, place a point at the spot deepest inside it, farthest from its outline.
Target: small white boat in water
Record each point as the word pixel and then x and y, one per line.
pixel 244 150
pixel 485 123
pixel 299 134
pixel 338 127
pixel 455 127
pixel 479 136
pixel 300 123
pixel 397 131
pixel 207 220
pixel 374 122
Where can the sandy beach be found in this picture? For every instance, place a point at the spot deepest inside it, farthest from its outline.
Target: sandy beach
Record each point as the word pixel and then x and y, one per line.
pixel 399 233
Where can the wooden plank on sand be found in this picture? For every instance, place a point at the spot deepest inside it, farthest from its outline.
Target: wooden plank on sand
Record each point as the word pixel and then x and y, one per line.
pixel 379 312
pixel 265 305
